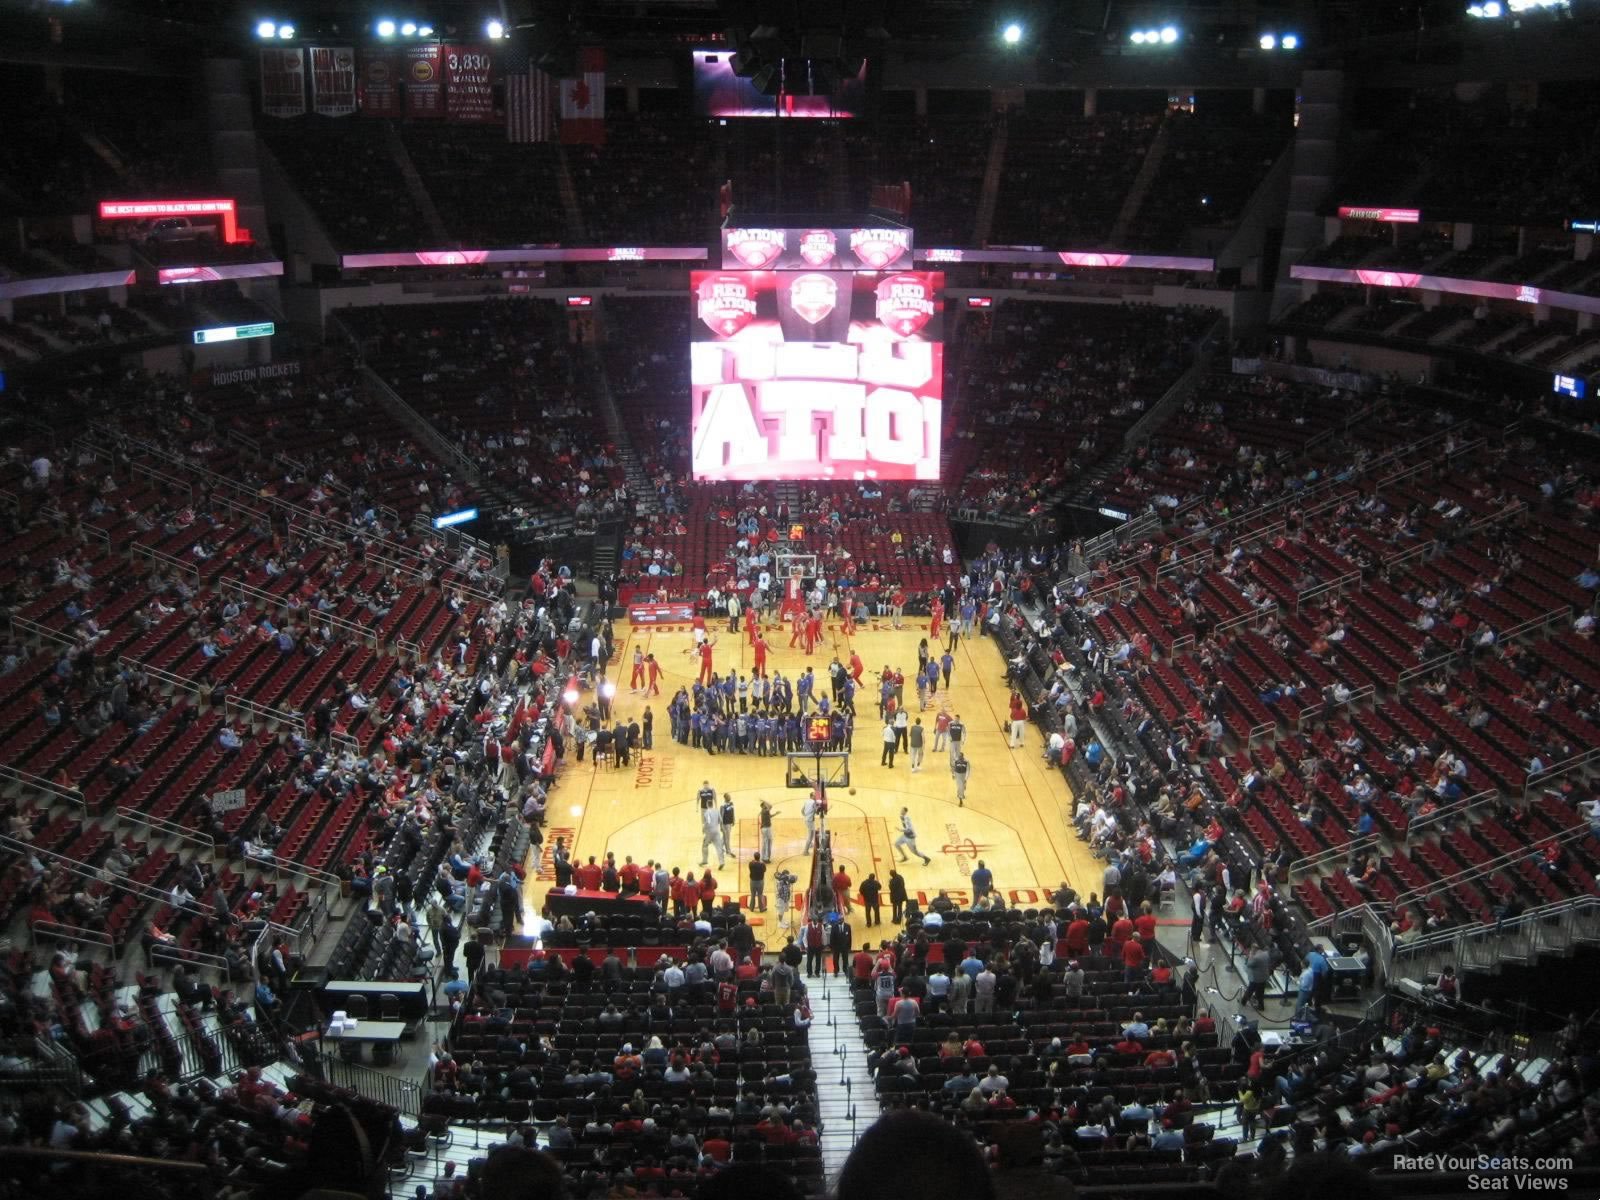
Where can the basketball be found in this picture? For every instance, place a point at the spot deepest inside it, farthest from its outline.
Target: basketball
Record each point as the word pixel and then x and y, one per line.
pixel 852 791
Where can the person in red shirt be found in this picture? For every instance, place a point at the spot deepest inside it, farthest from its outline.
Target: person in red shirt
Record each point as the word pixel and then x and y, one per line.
pixel 684 890
pixel 628 876
pixel 1130 1046
pixel 1078 936
pixel 1114 907
pixel 796 627
pixel 653 669
pixel 857 668
pixel 936 619
pixel 1121 931
pixel 636 679
pixel 718 1147
pixel 1160 973
pixel 841 890
pixel 1160 1058
pixel 861 965
pixel 813 633
pixel 760 644
pixel 1132 959
pixel 705 660
pixel 746 970
pixel 1145 925
pixel 708 892
pixel 588 876
pixel 847 613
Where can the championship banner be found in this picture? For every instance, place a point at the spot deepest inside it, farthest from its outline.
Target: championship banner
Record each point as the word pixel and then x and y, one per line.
pixel 333 81
pixel 469 84
pixel 583 101
pixel 424 80
pixel 380 84
pixel 283 82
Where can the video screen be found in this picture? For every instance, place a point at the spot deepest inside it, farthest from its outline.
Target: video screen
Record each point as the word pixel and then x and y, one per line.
pixel 718 92
pixel 817 374
pixel 868 248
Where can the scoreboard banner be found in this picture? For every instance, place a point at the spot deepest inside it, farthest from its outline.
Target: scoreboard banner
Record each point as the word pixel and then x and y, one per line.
pixel 865 248
pixel 283 81
pixel 816 374
pixel 333 81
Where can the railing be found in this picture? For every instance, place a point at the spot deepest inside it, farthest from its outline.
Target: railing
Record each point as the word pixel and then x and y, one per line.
pixel 38 783
pixel 43 633
pixel 1180 390
pixel 1310 866
pixel 1255 618
pixel 1333 586
pixel 1411 674
pixel 403 1094
pixel 1400 557
pixel 161 827
pixel 261 713
pixel 1449 812
pixel 1521 937
pixel 1484 869
pixel 1314 711
pixel 176 482
pixel 43 1064
pixel 55 930
pixel 1578 762
pixel 264 599
pixel 441 445
pixel 167 560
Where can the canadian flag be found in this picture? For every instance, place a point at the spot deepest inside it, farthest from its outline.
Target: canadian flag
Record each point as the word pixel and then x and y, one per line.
pixel 583 100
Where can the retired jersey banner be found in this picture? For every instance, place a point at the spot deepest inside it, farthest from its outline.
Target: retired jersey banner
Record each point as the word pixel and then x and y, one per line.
pixel 424 80
pixel 333 81
pixel 283 82
pixel 469 84
pixel 380 83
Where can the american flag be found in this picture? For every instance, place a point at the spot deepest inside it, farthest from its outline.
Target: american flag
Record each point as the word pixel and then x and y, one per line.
pixel 530 100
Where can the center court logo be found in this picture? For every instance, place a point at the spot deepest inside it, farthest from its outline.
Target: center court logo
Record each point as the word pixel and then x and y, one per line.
pixel 813 297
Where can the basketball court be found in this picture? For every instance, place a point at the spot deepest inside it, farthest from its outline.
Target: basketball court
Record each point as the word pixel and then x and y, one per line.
pixel 1016 816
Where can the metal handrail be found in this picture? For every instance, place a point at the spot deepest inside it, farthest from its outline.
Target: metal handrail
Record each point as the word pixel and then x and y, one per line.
pixel 1312 711
pixel 165 559
pixel 38 783
pixel 166 828
pixel 1567 765
pixel 1485 869
pixel 71 933
pixel 1447 812
pixel 265 599
pixel 1335 585
pixel 1309 866
pixel 40 632
pixel 1519 925
pixel 1254 616
pixel 1412 674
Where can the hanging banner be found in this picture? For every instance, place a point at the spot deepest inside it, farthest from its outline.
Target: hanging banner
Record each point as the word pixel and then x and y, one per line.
pixel 469 84
pixel 380 84
pixel 424 81
pixel 333 81
pixel 283 82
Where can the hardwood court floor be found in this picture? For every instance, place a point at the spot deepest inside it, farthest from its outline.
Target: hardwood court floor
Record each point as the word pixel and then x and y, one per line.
pixel 1016 817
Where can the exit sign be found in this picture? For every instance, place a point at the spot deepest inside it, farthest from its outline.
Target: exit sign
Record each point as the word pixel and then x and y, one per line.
pixel 234 333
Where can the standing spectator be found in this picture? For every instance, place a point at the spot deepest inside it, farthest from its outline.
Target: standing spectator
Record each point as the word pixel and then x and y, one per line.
pixel 1019 719
pixel 983 989
pixel 914 745
pixel 1259 969
pixel 890 742
pixel 758 884
pixel 764 821
pixel 871 893
pixel 813 940
pixel 982 881
pixel 897 895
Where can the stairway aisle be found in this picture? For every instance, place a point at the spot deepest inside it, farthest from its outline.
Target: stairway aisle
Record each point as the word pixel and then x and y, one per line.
pixel 846 1103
